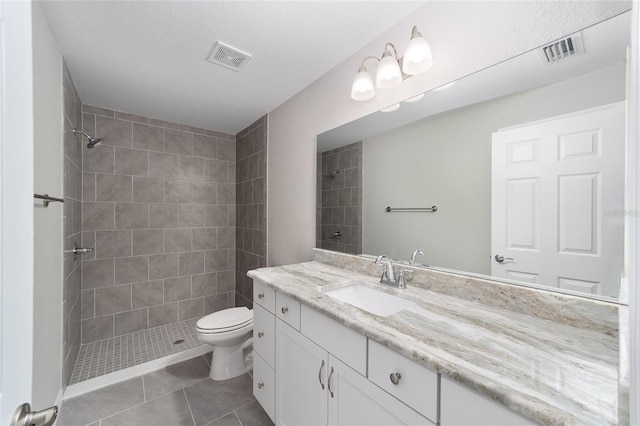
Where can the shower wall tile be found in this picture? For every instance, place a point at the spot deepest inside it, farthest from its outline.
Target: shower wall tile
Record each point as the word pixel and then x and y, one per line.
pixel 113 188
pixel 112 299
pixel 133 162
pixel 113 244
pixel 178 142
pixel 158 202
pixel 148 293
pixel 113 131
pixel 131 215
pixel 130 321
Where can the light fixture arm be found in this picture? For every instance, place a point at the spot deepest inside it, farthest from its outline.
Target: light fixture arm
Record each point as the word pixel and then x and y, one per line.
pixel 395 52
pixel 362 67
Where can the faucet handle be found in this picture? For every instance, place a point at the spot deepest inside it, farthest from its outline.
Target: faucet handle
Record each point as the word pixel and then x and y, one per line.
pixel 404 277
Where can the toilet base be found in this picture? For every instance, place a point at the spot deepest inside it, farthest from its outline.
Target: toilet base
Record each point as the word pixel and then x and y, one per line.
pixel 229 362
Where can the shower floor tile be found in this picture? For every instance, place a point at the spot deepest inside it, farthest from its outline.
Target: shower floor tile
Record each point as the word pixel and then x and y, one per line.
pixel 117 353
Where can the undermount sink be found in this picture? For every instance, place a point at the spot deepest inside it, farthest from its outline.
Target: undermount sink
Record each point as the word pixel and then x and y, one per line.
pixel 374 301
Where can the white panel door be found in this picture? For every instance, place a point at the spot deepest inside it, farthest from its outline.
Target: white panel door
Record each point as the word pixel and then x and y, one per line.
pixel 557 201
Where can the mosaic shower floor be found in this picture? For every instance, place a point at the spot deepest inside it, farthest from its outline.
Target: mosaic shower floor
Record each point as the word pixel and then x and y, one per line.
pixel 117 353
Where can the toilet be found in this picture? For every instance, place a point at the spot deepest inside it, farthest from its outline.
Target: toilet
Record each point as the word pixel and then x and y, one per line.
pixel 230 333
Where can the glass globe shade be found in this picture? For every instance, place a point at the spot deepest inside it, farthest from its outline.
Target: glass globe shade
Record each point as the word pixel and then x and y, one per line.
pixel 362 88
pixel 388 74
pixel 417 58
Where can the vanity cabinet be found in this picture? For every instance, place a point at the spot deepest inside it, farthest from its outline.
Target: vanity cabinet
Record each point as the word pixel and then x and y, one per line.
pixel 461 406
pixel 264 350
pixel 313 387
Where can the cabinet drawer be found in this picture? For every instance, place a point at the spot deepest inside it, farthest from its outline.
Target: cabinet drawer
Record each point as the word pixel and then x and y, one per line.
pixel 347 345
pixel 264 385
pixel 417 386
pixel 288 310
pixel 264 334
pixel 264 296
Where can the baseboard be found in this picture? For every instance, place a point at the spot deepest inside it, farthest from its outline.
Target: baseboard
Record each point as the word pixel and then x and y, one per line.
pixel 131 372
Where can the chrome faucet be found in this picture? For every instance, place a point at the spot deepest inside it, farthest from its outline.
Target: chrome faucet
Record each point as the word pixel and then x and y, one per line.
pixel 413 256
pixel 388 273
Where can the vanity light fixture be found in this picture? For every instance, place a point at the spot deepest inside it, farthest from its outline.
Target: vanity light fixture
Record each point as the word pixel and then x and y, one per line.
pixel 417 59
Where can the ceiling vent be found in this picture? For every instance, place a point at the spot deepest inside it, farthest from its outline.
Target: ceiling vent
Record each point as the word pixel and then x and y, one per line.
pixel 562 49
pixel 228 57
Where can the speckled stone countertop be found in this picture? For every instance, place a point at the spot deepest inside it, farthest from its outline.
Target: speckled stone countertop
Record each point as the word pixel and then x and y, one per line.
pixel 550 372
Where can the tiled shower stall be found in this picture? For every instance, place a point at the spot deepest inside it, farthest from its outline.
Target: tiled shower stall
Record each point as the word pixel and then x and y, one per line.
pixel 157 202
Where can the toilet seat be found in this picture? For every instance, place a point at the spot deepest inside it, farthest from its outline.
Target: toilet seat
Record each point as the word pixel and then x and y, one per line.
pixel 225 321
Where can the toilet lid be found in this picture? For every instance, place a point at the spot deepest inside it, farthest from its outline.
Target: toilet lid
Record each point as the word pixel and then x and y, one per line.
pixel 225 319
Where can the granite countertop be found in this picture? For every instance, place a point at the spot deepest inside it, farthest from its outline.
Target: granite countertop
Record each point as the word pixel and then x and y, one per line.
pixel 549 372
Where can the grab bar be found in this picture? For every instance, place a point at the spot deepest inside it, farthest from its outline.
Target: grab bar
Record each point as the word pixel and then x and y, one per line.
pixel 46 199
pixel 412 209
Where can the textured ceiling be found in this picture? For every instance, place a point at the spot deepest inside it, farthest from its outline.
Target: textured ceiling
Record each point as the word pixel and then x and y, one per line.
pixel 149 57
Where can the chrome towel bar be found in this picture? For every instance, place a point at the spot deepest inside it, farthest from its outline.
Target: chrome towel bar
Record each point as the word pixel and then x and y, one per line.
pixel 46 199
pixel 412 209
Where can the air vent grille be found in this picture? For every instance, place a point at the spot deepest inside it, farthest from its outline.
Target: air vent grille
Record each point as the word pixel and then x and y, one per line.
pixel 228 57
pixel 562 49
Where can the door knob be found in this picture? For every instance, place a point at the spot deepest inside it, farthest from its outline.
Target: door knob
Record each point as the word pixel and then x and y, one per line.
pixel 395 378
pixel 500 258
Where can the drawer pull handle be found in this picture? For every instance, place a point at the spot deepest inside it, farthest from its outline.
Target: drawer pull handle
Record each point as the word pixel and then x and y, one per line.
pixel 285 310
pixel 329 382
pixel 260 385
pixel 395 378
pixel 260 295
pixel 260 334
pixel 320 374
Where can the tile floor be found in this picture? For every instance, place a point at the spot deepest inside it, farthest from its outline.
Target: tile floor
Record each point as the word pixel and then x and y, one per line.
pixel 109 355
pixel 181 394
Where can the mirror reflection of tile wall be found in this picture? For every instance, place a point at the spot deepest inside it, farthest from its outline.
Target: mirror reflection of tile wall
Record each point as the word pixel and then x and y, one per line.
pixel 339 199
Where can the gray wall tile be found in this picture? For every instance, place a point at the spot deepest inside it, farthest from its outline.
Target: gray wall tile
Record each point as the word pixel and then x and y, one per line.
pixel 191 168
pixel 131 269
pixel 163 314
pixel 97 216
pixel 215 260
pixel 113 244
pixel 131 215
pixel 226 237
pixel 88 187
pixel 176 289
pixel 204 285
pixel 226 193
pixel 164 165
pixel 114 131
pixel 148 293
pixel 97 329
pixel 205 146
pixel 163 266
pixel 113 188
pixel 109 300
pixel 192 308
pixel 177 191
pixel 191 215
pixel 204 238
pixel 97 273
pixel 99 159
pixel 177 142
pixel 130 321
pixel 148 241
pixel 191 263
pixel 163 215
pixel 87 301
pixel 150 138
pixel 226 281
pixel 148 190
pixel 131 162
pixel 216 302
pixel 216 215
pixel 177 240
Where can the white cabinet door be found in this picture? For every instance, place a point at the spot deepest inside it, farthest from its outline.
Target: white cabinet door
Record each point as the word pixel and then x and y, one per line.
pixel 301 377
pixel 460 406
pixel 354 400
pixel 557 198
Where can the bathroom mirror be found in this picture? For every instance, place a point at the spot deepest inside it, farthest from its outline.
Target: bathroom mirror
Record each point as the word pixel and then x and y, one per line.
pixel 524 162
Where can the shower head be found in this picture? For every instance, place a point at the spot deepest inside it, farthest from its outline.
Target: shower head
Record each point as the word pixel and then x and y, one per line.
pixel 92 141
pixel 333 173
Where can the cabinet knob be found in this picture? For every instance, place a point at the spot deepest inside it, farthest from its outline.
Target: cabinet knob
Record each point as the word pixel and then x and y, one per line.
pixel 260 385
pixel 395 378
pixel 260 295
pixel 285 310
pixel 260 334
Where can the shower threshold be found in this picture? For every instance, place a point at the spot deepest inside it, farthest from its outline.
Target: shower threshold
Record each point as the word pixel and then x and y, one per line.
pixel 115 359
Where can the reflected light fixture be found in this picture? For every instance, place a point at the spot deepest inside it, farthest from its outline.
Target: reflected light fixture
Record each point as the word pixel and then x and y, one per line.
pixel 444 86
pixel 391 108
pixel 417 59
pixel 415 98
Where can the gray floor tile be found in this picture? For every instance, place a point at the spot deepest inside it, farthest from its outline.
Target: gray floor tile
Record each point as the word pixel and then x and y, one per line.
pixel 253 414
pixel 174 377
pixel 88 408
pixel 210 400
pixel 169 410
pixel 228 420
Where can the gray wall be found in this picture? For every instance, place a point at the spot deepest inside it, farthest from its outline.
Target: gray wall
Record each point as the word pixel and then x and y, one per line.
pixel 251 212
pixel 159 208
pixel 339 205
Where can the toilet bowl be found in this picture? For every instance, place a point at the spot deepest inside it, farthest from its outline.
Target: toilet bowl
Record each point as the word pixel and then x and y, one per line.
pixel 230 333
